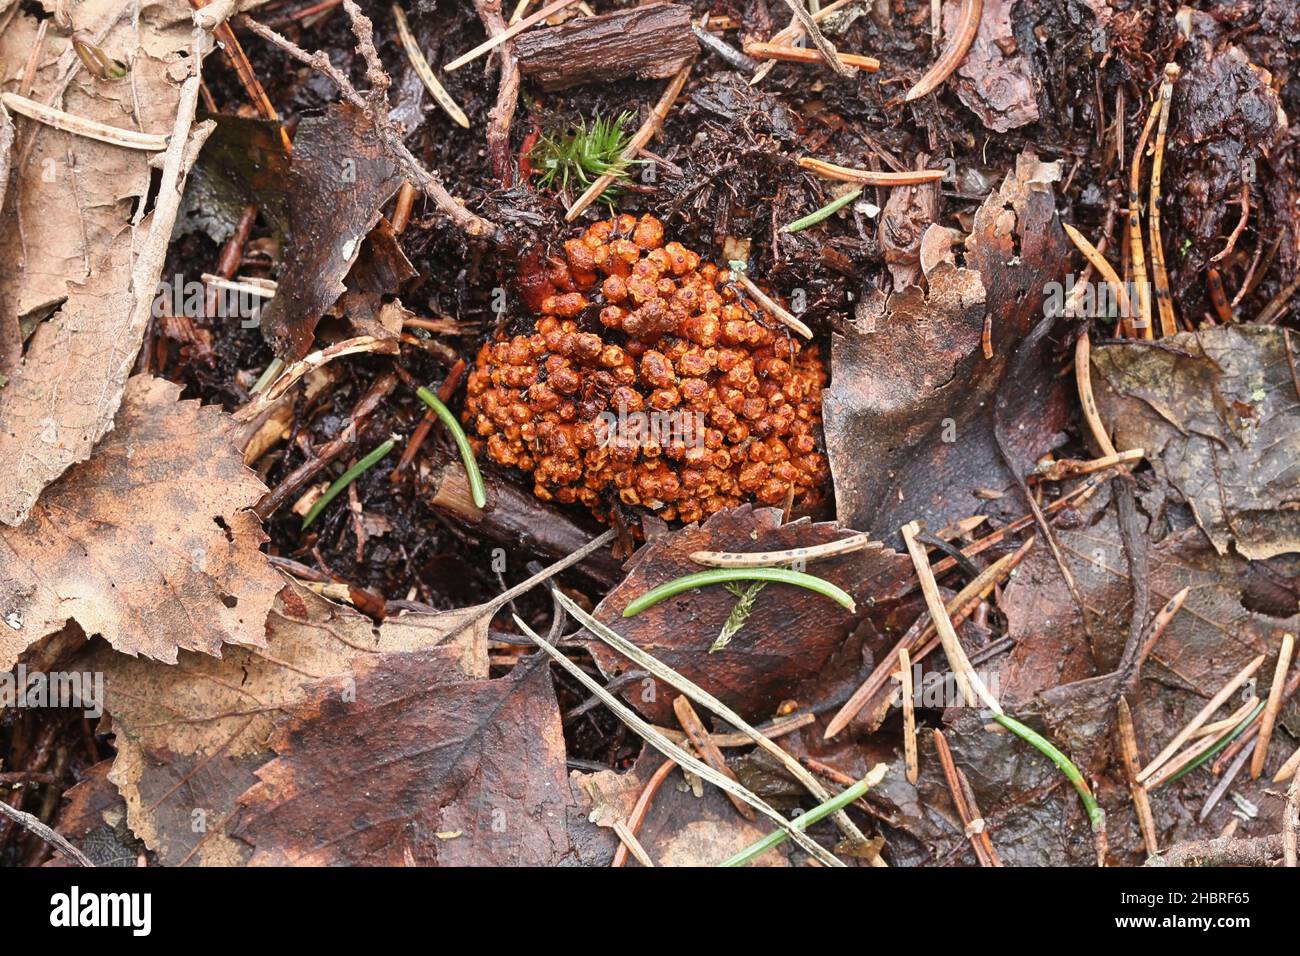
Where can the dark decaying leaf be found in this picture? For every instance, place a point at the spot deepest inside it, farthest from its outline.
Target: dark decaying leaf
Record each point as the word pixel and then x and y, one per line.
pixel 419 768
pixel 1218 413
pixel 995 81
pixel 339 178
pixel 909 412
pixel 682 827
pixel 189 737
pixel 242 162
pixel 791 636
pixel 93 819
pixel 149 543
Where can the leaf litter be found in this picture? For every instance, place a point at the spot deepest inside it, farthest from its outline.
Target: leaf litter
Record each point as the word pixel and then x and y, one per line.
pixel 354 692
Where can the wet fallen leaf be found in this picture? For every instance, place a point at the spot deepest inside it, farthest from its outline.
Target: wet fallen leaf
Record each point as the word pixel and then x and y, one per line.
pixel 149 543
pixel 909 411
pixel 88 256
pixel 791 636
pixel 465 772
pixel 338 179
pixel 189 737
pixel 1209 640
pixel 995 81
pixel 1218 413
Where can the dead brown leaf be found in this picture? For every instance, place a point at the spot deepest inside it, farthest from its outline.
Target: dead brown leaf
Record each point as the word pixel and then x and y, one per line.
pixel 995 81
pixel 1218 413
pixel 86 255
pixel 339 177
pixel 189 737
pixel 466 772
pixel 149 543
pixel 790 637
pixel 909 411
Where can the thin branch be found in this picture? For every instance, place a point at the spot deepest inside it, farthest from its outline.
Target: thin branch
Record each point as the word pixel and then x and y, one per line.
pixel 29 822
pixel 429 183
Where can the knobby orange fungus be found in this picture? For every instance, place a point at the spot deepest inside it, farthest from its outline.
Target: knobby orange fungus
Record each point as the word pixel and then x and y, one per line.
pixel 647 376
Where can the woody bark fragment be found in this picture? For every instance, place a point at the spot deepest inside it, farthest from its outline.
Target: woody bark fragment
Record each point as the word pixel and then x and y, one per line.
pixel 645 43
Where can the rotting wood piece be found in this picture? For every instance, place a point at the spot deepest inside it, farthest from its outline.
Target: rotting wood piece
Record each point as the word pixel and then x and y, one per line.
pixel 650 42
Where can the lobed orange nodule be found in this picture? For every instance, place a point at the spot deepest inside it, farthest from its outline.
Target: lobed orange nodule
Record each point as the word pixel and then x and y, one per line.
pixel 648 377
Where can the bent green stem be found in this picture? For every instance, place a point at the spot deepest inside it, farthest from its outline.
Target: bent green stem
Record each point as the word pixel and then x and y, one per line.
pixel 722 575
pixel 344 480
pixel 476 487
pixel 1096 816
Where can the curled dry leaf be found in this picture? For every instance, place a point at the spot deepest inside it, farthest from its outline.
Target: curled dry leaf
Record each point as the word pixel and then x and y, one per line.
pixel 149 543
pixel 909 411
pixel 83 257
pixel 1218 412
pixel 466 772
pixel 791 636
pixel 339 177
pixel 995 81
pixel 190 737
pixel 681 827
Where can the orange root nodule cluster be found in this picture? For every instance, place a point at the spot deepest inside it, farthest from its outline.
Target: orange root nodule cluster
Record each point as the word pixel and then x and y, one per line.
pixel 647 376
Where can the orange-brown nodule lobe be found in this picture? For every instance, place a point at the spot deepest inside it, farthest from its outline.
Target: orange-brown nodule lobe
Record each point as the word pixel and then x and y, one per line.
pixel 686 403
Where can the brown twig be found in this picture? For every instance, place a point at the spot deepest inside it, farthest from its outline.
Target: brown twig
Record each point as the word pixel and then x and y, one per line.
pixel 507 101
pixel 699 737
pixel 1269 717
pixel 1168 322
pixel 429 183
pixel 1239 228
pixel 35 826
pixel 968 24
pixel 379 390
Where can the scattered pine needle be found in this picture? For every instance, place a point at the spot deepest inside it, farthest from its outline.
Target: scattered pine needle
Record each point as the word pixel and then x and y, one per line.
pixel 828 210
pixel 424 71
pixel 349 476
pixel 959 43
pixel 80 126
pixel 476 488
